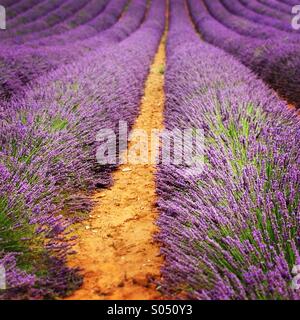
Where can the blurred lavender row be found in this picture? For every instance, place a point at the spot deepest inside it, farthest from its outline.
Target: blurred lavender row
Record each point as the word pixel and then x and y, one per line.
pixel 247 27
pixel 262 9
pixel 22 64
pixel 237 8
pixel 32 13
pixel 68 9
pixel 276 60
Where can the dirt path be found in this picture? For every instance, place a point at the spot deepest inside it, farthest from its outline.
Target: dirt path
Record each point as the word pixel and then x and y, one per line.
pixel 116 249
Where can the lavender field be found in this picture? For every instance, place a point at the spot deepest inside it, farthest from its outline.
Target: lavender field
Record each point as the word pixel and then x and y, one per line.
pixel 74 227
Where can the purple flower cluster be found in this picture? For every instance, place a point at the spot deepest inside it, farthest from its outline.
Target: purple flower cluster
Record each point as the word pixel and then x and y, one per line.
pixel 232 231
pixel 276 60
pixel 48 150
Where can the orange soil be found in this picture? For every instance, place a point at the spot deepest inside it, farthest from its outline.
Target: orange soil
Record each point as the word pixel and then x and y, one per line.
pixel 292 107
pixel 116 250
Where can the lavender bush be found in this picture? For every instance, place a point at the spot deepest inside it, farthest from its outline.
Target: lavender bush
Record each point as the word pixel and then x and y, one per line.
pixel 48 152
pixel 231 232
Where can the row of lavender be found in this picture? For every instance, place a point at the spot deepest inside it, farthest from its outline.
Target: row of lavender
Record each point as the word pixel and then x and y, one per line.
pixel 17 7
pixel 271 7
pixel 63 12
pixel 24 63
pixel 246 27
pixel 272 54
pixel 239 9
pixel 232 231
pixel 66 17
pixel 48 152
pixel 15 17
